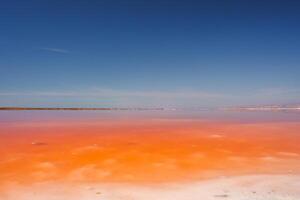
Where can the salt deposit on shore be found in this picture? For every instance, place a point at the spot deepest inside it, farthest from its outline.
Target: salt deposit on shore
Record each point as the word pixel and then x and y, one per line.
pixel 254 187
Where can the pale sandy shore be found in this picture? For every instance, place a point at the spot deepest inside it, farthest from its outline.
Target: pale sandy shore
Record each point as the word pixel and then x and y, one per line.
pixel 254 187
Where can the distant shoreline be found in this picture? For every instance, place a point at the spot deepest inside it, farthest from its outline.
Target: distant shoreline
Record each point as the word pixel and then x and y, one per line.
pixel 75 108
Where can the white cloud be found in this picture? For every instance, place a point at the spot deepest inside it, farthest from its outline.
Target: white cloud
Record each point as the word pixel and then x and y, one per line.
pixel 56 50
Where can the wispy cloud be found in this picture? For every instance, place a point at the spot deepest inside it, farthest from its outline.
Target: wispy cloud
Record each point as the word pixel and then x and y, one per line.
pixel 265 96
pixel 278 91
pixel 124 97
pixel 118 93
pixel 56 50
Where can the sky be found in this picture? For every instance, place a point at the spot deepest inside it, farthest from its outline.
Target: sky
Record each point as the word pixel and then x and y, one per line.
pixel 149 53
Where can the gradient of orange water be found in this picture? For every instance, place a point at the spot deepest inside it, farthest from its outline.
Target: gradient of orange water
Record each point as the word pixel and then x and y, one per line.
pixel 144 150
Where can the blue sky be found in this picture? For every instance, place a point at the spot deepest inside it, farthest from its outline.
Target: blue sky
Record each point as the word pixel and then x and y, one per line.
pixel 149 53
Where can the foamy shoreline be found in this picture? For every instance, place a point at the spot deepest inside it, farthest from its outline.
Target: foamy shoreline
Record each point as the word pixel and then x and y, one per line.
pixel 254 187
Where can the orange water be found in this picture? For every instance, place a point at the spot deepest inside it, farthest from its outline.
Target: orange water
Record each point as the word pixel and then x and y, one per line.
pixel 144 150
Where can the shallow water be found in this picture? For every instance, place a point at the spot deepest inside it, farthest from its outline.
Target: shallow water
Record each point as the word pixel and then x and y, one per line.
pixel 145 147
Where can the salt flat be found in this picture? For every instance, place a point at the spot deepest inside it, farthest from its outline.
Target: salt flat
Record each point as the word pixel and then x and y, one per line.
pixel 251 187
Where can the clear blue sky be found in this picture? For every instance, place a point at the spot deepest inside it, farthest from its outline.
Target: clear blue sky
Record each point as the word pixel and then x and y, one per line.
pixel 149 53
